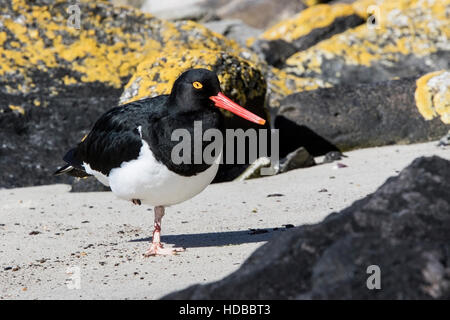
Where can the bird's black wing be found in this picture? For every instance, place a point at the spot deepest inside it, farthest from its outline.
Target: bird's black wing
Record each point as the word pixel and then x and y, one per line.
pixel 116 136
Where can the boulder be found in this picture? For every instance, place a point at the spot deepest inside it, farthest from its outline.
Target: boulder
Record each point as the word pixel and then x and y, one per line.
pixel 407 39
pixel 234 29
pixel 294 136
pixel 306 29
pixel 399 235
pixel 195 10
pixel 433 95
pixel 363 115
pixel 281 84
pixel 260 13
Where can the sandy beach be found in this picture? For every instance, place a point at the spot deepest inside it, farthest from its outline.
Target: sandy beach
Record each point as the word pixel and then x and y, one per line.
pixel 45 231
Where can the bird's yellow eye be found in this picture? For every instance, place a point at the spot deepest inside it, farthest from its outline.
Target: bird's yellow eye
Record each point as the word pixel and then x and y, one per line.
pixel 197 85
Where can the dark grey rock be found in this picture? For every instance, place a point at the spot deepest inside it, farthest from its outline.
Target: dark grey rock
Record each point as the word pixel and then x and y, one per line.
pixel 363 115
pixel 333 156
pixel 234 29
pixel 276 52
pixel 294 136
pixel 445 140
pixel 258 13
pixel 195 10
pixel 404 228
pixel 297 159
pixel 32 146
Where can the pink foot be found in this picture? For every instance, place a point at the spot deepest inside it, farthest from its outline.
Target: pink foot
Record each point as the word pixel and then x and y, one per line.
pixel 157 249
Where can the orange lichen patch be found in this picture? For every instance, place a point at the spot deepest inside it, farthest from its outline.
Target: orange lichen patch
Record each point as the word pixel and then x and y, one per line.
pixel 433 95
pixel 307 20
pixel 419 29
pixel 17 108
pixel 157 73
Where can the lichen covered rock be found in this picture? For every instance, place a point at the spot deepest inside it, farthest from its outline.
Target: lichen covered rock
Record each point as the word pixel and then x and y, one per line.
pixel 433 95
pixel 41 40
pixel 364 115
pixel 411 38
pixel 307 28
pixel 261 13
pixel 281 84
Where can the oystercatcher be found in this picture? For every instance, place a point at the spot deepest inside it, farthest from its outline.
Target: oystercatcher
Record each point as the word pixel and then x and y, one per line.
pixel 129 148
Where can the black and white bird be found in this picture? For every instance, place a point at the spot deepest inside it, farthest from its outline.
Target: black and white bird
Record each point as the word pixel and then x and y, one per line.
pixel 130 147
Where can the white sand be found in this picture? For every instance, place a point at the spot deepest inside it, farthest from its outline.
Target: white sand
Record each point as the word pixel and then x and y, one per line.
pixel 213 226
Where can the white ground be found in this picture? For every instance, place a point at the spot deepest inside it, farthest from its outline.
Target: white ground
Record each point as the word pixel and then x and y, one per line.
pixel 104 237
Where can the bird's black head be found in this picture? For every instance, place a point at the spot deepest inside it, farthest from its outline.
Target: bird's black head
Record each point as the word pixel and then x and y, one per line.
pixel 197 89
pixel 193 89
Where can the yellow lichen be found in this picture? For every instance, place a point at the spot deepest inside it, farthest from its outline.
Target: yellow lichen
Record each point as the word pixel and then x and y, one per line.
pixel 311 18
pixel 17 108
pixel 433 95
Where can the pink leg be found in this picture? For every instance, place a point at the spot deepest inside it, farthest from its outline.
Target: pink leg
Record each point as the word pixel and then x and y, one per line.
pixel 156 247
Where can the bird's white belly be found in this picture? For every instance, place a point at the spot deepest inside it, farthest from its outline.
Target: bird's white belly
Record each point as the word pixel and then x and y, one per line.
pixel 153 183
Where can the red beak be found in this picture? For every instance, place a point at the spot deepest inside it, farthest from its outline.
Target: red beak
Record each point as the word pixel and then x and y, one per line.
pixel 223 102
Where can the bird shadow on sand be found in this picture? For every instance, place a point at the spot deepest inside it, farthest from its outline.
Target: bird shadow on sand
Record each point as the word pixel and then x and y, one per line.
pixel 217 239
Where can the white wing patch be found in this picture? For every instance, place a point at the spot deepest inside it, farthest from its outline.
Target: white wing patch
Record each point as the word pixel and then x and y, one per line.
pixel 97 174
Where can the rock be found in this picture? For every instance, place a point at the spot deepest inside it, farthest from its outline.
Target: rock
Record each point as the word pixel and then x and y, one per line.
pixel 58 78
pixel 254 170
pixel 410 39
pixel 32 145
pixel 195 10
pixel 260 13
pixel 445 140
pixel 234 29
pixel 280 84
pixel 403 229
pixel 306 29
pixel 297 159
pixel 294 136
pixel 274 52
pixel 363 115
pixel 333 156
pixel 433 95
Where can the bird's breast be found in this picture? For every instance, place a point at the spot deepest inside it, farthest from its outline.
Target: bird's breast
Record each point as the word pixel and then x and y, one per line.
pixel 152 182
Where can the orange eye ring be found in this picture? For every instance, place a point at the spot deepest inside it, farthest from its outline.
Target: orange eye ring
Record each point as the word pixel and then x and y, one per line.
pixel 197 85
